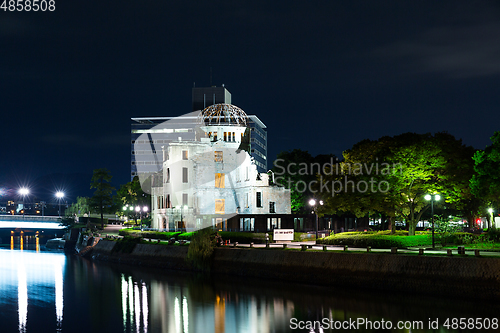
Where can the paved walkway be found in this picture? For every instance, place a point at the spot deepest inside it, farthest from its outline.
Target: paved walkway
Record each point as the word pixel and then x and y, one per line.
pixel 311 245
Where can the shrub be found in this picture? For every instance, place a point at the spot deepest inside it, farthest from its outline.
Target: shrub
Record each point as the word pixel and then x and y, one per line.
pixel 201 249
pixel 494 235
pixel 378 239
pixel 245 237
pixel 149 234
pixel 126 244
pixel 186 236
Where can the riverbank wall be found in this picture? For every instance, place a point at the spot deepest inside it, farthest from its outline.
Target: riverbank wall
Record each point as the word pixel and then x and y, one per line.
pixel 464 277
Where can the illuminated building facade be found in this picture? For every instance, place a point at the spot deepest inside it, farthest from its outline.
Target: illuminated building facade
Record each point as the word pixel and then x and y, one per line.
pixel 212 177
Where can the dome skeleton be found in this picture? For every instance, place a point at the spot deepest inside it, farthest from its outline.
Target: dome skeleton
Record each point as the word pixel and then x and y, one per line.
pixel 223 114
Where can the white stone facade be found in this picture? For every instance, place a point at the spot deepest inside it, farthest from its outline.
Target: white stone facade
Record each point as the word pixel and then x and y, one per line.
pixel 210 179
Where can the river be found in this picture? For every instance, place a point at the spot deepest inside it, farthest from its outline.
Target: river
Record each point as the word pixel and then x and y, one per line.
pixel 49 291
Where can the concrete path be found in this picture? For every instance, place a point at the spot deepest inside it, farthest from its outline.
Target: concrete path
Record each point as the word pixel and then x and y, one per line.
pixel 311 245
pixel 113 230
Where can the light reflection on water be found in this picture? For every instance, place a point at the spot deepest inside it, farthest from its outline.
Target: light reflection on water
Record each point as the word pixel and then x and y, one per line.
pixel 49 291
pixel 35 279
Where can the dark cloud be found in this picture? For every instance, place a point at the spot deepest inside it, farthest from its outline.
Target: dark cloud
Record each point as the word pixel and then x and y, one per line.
pixel 456 52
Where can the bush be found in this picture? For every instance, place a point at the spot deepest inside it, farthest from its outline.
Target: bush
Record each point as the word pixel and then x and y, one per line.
pixel 126 244
pixel 245 237
pixel 201 249
pixel 446 231
pixel 149 234
pixel 493 235
pixel 186 236
pixel 378 239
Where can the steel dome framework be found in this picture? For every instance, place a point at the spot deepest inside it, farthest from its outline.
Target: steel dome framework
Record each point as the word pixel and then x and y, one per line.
pixel 223 114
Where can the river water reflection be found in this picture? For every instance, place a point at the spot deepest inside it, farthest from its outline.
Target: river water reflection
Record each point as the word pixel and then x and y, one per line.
pixel 42 291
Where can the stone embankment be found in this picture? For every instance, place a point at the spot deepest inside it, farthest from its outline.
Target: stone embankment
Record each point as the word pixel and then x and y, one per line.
pixel 473 277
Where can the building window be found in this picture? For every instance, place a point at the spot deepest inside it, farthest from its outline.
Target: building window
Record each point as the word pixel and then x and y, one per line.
pixel 272 207
pixel 246 200
pixel 219 206
pixel 184 175
pixel 168 204
pixel 167 180
pixel 184 199
pixel 219 180
pixel 185 155
pixel 259 199
pixel 225 136
pixel 218 156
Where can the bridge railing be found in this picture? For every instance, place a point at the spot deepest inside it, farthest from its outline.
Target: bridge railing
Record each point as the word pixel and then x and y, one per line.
pixel 30 218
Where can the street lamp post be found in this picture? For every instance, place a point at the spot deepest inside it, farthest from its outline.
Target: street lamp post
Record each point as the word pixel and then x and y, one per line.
pixel 59 196
pixel 24 192
pixel 432 198
pixel 313 203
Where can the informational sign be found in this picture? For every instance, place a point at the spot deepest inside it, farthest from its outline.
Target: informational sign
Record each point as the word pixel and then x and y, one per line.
pixel 497 221
pixel 283 235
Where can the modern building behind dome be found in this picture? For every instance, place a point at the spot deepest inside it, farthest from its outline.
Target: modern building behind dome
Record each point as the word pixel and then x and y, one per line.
pixel 147 160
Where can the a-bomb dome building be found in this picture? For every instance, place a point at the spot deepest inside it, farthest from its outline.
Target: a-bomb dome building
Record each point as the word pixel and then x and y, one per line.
pixel 213 178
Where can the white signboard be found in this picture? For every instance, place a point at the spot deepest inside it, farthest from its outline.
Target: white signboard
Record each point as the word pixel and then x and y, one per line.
pixel 497 222
pixel 283 235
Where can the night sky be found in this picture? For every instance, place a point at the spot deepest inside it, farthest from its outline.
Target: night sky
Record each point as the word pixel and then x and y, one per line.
pixel 322 75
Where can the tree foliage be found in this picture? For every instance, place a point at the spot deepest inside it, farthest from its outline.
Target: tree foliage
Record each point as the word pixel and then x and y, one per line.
pixel 102 199
pixel 485 184
pixel 79 208
pixel 392 175
pixel 296 170
pixel 131 194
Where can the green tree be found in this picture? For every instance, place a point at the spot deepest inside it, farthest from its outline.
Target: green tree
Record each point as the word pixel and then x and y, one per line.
pixel 296 170
pixel 365 162
pixel 404 168
pixel 102 199
pixel 485 183
pixel 456 176
pixel 131 194
pixel 78 208
pixel 290 168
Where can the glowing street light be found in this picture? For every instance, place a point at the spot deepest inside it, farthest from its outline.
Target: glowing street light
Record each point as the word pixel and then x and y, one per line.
pixel 432 198
pixel 23 191
pixel 60 196
pixel 313 203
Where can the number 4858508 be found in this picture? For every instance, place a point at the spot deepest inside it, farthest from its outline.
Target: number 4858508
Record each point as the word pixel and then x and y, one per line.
pixel 28 5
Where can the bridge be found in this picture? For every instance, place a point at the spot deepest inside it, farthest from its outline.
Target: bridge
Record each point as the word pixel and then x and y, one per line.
pixel 30 222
